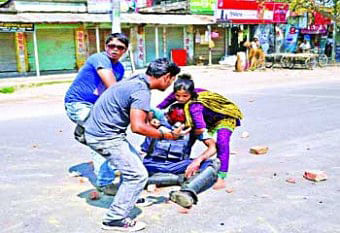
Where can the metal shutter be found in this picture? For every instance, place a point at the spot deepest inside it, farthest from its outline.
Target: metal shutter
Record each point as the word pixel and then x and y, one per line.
pixel 8 61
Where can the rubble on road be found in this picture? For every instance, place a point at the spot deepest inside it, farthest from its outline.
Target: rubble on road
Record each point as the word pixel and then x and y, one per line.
pixel 259 150
pixel 315 175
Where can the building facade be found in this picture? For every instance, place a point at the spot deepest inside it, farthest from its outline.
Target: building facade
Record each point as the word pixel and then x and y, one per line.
pixel 51 36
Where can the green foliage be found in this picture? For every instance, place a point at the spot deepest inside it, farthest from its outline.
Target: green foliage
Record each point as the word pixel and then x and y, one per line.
pixel 7 90
pixel 328 8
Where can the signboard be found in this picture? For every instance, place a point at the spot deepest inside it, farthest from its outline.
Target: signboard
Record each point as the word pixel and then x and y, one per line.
pixel 99 6
pixel 337 53
pixel 3 2
pixel 16 27
pixel 202 7
pixel 291 38
pixel 252 12
pixel 314 29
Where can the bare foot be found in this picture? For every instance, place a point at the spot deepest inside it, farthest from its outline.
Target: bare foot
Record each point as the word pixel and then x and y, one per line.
pixel 220 184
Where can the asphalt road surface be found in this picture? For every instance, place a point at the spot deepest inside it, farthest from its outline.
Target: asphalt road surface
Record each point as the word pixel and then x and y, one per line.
pixel 299 123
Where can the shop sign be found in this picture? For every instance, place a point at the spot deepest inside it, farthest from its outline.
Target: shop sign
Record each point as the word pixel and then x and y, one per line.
pixel 16 27
pixel 21 51
pixel 280 13
pixel 81 48
pixel 314 29
pixel 99 6
pixel 3 2
pixel 291 38
pixel 251 12
pixel 202 7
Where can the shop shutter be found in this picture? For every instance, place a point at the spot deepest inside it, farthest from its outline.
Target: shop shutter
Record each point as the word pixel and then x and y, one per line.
pixel 92 41
pixel 56 49
pixel 8 61
pixel 175 39
pixel 150 45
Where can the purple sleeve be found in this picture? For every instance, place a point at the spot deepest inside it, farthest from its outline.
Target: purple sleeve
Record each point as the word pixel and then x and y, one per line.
pixel 196 111
pixel 167 101
pixel 197 90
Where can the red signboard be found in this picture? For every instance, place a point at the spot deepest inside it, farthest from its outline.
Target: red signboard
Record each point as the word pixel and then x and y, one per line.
pixel 252 12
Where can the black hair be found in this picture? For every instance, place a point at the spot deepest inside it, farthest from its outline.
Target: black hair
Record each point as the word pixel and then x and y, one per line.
pixel 184 82
pixel 175 106
pixel 162 66
pixel 120 36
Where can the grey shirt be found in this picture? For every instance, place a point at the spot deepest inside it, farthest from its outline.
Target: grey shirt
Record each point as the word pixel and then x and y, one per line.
pixel 110 114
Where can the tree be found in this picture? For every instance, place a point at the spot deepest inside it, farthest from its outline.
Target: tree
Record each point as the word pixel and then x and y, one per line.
pixel 328 8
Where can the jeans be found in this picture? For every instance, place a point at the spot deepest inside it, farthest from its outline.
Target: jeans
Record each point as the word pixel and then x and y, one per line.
pixel 78 112
pixel 119 152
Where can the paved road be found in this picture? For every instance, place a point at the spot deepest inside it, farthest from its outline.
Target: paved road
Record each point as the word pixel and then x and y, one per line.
pixel 296 117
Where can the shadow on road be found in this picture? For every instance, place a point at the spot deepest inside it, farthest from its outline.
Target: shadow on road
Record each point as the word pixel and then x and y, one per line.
pixel 85 170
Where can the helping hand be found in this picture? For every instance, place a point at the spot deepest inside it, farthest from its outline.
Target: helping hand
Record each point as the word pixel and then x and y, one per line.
pixel 179 132
pixel 193 168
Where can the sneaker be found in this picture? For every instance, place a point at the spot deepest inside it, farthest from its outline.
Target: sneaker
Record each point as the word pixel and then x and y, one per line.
pixel 126 224
pixel 110 189
pixel 182 198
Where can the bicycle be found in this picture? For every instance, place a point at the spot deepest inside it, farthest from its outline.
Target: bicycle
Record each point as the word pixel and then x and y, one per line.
pixel 321 58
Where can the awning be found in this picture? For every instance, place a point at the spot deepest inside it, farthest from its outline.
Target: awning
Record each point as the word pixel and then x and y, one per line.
pixel 106 18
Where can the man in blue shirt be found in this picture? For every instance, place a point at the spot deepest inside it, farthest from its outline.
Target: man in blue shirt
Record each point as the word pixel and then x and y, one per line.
pixel 100 71
pixel 128 103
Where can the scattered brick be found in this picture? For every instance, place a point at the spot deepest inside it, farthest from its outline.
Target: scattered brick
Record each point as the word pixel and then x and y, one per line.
pixel 94 195
pixel 229 190
pixel 291 180
pixel 315 175
pixel 245 134
pixel 183 210
pixel 259 150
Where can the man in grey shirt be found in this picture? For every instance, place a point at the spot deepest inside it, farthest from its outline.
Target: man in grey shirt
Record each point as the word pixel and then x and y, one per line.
pixel 128 103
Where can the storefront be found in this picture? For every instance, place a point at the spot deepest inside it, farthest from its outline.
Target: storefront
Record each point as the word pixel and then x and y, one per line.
pixel 56 47
pixel 317 34
pixel 246 18
pixel 202 44
pixel 8 60
pixel 13 46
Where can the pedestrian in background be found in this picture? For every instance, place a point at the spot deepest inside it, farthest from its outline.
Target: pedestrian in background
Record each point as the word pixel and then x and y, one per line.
pixel 100 71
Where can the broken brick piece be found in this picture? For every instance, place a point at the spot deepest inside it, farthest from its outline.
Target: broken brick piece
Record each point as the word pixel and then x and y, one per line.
pixel 94 195
pixel 259 150
pixel 244 134
pixel 291 180
pixel 315 175
pixel 229 190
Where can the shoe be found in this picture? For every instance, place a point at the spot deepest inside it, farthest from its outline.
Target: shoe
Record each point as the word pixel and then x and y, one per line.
pixel 182 198
pixel 126 225
pixel 144 202
pixel 110 189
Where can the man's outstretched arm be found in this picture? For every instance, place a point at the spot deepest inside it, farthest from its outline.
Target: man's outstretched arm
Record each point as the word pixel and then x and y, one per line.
pixel 196 163
pixel 139 125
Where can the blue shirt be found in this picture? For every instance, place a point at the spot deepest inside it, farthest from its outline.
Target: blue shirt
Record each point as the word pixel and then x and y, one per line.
pixel 110 114
pixel 88 86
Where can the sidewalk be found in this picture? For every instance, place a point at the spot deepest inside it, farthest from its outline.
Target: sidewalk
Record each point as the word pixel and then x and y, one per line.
pixel 202 75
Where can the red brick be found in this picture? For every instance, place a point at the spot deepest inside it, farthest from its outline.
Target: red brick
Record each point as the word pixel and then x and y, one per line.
pixel 259 150
pixel 94 195
pixel 315 175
